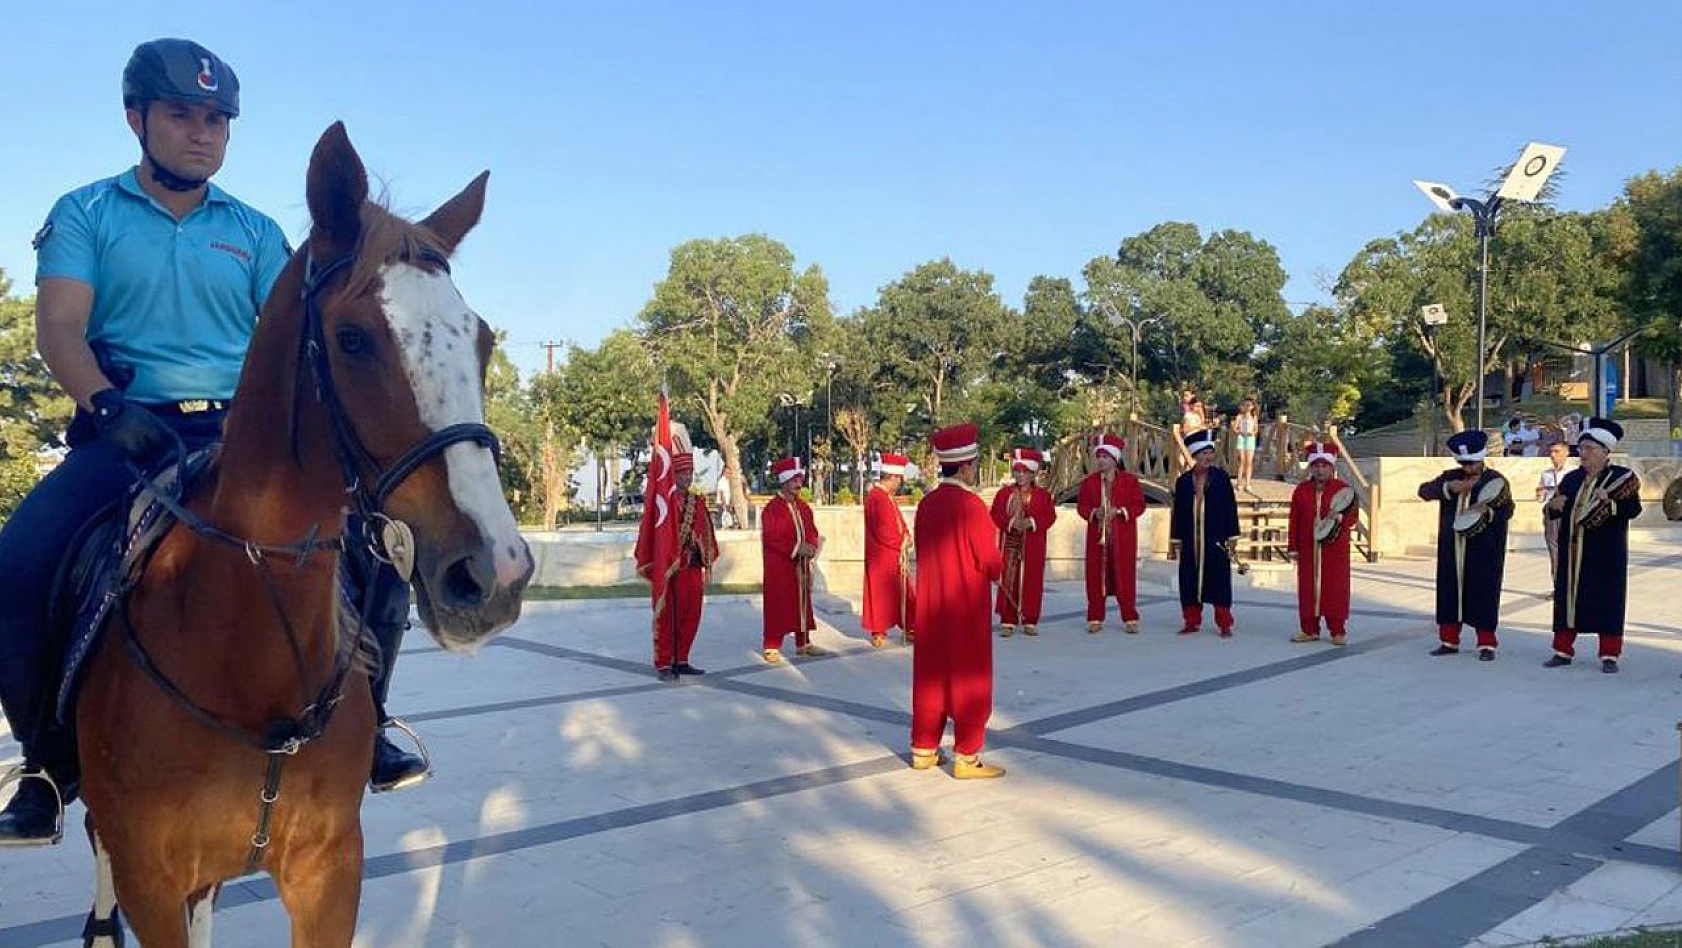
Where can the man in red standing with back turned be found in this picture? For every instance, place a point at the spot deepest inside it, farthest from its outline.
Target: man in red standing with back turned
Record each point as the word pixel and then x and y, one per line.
pixel 957 563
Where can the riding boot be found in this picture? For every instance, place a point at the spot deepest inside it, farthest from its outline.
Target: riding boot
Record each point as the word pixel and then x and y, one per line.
pixel 394 768
pixel 33 817
pixel 386 606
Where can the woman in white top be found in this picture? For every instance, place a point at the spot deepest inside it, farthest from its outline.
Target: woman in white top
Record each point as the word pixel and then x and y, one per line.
pixel 1245 427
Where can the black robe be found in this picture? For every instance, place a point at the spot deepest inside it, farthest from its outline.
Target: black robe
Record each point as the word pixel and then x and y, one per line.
pixel 1204 553
pixel 1469 570
pixel 1592 583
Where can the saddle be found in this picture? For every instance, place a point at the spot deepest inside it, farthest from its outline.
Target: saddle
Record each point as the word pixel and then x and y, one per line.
pixel 105 561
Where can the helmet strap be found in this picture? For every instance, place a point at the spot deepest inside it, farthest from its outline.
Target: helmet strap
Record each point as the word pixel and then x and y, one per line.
pixel 163 176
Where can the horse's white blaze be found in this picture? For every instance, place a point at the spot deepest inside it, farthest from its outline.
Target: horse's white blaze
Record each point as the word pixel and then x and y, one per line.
pixel 439 338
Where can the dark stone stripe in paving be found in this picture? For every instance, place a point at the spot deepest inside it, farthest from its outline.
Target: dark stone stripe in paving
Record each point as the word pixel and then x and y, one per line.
pixel 66 927
pixel 1197 689
pixel 1470 908
pixel 521 704
pixel 1473 906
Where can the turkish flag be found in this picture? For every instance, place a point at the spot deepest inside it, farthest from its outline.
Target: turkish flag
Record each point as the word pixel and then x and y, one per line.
pixel 657 550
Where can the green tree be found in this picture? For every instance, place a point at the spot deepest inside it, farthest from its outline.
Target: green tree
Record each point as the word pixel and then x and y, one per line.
pixel 1652 208
pixel 509 412
pixel 602 399
pixel 734 324
pixel 1205 305
pixel 936 330
pixel 33 408
pixel 1552 279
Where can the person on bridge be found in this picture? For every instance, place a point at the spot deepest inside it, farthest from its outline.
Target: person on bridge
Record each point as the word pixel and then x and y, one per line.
pixel 1322 561
pixel 1595 504
pixel 957 561
pixel 1472 557
pixel 889 598
pixel 1204 529
pixel 679 616
pixel 1023 511
pixel 1111 502
pixel 789 541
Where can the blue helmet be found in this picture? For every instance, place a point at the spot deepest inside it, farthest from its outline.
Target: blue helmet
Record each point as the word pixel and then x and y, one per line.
pixel 182 71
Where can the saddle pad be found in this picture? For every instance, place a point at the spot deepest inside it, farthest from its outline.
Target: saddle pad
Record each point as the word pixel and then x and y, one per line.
pixel 105 561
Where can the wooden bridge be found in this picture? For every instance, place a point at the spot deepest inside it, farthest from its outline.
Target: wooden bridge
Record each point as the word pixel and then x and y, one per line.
pixel 1158 457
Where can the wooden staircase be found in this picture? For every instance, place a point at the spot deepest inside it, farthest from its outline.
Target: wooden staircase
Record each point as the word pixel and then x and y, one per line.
pixel 1158 457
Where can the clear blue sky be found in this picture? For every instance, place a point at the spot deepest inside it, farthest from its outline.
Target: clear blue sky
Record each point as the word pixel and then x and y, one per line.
pixel 1019 137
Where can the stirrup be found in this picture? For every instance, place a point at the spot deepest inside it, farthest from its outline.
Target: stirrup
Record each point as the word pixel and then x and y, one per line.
pixel 18 775
pixel 420 745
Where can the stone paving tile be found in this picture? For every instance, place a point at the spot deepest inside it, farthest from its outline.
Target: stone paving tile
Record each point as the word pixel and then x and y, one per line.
pixel 768 806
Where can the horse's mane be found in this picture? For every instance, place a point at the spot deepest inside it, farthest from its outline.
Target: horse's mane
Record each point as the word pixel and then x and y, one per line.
pixel 387 238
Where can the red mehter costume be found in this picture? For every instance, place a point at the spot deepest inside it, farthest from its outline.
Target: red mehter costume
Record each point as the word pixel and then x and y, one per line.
pixel 697 550
pixel 1322 564
pixel 1111 511
pixel 1022 585
pixel 889 598
pixel 957 562
pixel 784 525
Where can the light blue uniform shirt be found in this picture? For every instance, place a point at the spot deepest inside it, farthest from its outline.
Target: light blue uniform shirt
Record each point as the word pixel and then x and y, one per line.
pixel 176 301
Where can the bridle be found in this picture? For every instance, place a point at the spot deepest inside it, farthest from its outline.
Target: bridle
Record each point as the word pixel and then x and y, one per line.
pixel 286 737
pixel 354 459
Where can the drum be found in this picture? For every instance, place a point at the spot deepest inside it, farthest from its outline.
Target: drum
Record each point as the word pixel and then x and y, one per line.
pixel 1471 522
pixel 1589 516
pixel 1327 528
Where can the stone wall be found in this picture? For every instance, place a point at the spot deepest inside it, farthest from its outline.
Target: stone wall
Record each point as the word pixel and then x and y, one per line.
pixel 588 558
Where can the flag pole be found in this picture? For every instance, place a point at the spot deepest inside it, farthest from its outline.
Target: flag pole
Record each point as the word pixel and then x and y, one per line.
pixel 677 562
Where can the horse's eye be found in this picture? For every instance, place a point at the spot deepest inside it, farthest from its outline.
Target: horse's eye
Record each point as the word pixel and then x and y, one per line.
pixel 354 342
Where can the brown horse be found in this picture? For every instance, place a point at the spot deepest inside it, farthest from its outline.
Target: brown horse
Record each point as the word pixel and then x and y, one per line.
pixel 223 728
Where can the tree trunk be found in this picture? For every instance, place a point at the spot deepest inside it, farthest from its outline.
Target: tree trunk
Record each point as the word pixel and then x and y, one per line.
pixel 1455 398
pixel 1507 401
pixel 1673 398
pixel 554 471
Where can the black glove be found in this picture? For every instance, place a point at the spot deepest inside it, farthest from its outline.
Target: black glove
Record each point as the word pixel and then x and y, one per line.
pixel 136 432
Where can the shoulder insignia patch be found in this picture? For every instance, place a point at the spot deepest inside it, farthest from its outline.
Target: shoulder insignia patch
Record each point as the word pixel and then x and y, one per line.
pixel 42 235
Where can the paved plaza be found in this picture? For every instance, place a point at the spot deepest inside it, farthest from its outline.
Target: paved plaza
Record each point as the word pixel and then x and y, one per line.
pixel 1163 791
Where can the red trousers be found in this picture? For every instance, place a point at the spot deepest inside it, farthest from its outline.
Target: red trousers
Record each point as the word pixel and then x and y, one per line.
pixel 1565 643
pixel 684 596
pixel 1311 625
pixel 949 683
pixel 1123 584
pixel 1450 636
pixel 1194 617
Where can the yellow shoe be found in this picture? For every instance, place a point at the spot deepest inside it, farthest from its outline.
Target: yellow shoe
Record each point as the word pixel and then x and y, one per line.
pixel 1006 631
pixel 771 656
pixel 1305 637
pixel 1339 641
pixel 1030 630
pixel 1133 627
pixel 970 767
pixel 811 651
pixel 1093 627
pixel 877 641
pixel 926 759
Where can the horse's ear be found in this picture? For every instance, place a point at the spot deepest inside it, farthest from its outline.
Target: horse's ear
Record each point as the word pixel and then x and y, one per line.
pixel 336 189
pixel 451 222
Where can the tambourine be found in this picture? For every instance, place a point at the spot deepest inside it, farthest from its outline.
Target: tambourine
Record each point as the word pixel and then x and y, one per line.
pixel 1595 513
pixel 1469 523
pixel 1327 528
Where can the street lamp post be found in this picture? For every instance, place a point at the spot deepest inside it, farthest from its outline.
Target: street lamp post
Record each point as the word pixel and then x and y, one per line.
pixel 1134 327
pixel 1523 182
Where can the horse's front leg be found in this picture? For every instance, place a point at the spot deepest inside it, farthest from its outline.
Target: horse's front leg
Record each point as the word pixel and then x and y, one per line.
pixel 320 884
pixel 104 927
